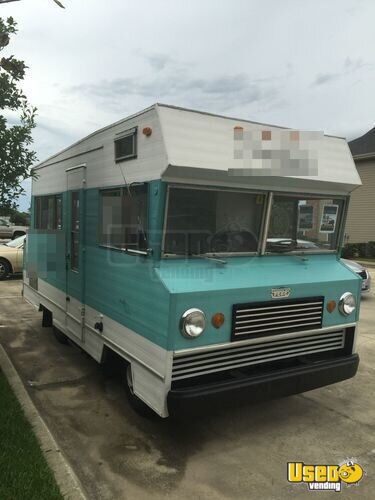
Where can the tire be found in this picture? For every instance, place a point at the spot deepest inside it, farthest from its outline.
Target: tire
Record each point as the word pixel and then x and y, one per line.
pixel 16 234
pixel 47 320
pixel 137 404
pixel 60 336
pixel 5 269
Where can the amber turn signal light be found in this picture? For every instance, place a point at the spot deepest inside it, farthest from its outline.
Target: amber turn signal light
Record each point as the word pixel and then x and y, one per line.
pixel 331 306
pixel 218 320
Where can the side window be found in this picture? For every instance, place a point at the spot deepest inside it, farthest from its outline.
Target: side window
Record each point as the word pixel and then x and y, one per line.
pixel 135 217
pixel 111 218
pixel 126 145
pixel 48 212
pixel 124 217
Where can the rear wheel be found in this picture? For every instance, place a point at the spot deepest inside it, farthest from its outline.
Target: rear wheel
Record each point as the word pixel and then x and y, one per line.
pixel 5 269
pixel 60 336
pixel 137 404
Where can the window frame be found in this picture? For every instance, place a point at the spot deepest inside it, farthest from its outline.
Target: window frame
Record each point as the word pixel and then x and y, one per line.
pixel 166 255
pixel 133 132
pixel 37 224
pixel 266 215
pixel 316 196
pixel 75 216
pixel 122 190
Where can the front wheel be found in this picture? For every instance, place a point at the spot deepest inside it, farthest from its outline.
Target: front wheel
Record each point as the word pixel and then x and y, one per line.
pixel 5 269
pixel 137 404
pixel 60 336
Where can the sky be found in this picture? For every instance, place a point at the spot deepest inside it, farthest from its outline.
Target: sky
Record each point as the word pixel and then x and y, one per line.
pixel 304 64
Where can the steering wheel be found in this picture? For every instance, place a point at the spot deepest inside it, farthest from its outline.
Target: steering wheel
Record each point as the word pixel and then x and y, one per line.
pixel 227 241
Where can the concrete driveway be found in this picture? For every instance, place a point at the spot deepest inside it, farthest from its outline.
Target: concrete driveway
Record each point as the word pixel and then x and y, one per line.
pixel 237 453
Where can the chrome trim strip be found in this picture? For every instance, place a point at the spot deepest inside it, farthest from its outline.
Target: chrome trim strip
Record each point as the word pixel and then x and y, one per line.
pixel 270 338
pixel 38 167
pixel 239 365
pixel 263 358
pixel 318 303
pixel 301 315
pixel 276 328
pixel 245 353
pixel 287 322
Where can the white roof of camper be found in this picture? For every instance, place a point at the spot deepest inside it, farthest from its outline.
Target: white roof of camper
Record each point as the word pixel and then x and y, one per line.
pixel 201 146
pixel 196 148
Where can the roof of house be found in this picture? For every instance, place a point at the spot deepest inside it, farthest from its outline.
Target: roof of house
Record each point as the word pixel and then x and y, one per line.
pixel 364 146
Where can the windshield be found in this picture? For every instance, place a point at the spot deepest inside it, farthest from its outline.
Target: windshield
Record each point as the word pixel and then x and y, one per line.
pixel 208 221
pixel 304 224
pixel 17 242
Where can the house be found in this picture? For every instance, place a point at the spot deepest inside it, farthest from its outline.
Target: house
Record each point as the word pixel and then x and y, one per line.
pixel 360 225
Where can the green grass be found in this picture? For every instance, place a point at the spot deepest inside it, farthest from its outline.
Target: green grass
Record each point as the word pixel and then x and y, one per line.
pixel 24 473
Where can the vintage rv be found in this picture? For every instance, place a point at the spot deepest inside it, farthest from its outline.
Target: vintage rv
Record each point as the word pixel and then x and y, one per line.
pixel 161 239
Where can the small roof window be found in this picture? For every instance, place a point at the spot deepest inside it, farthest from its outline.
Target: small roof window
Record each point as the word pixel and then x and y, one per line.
pixel 126 145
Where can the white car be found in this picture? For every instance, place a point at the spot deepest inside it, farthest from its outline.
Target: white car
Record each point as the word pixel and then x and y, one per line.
pixel 361 271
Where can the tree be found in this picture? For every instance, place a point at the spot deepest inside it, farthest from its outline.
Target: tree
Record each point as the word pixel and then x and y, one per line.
pixel 17 120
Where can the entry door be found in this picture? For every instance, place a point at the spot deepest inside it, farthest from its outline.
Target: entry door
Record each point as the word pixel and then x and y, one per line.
pixel 75 265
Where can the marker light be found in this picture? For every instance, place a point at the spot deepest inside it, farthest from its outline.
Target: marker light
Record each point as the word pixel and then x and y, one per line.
pixel 331 306
pixel 347 304
pixel 217 320
pixel 192 323
pixel 147 131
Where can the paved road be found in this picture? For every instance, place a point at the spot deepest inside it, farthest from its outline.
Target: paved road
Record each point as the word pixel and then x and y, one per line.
pixel 238 453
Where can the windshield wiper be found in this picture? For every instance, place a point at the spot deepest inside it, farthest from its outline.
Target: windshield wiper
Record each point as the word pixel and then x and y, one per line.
pixel 209 257
pixel 201 256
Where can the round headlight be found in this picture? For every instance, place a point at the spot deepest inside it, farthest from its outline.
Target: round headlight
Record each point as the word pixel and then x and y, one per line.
pixel 347 303
pixel 193 323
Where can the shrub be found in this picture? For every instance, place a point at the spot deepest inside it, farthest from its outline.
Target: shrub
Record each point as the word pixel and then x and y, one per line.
pixel 361 250
pixel 371 249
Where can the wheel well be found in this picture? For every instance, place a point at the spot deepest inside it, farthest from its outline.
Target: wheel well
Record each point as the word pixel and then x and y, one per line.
pixel 2 259
pixel 47 317
pixel 111 361
pixel 17 233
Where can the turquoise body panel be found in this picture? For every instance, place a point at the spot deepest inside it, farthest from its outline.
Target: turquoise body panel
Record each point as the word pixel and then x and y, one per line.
pixel 216 287
pixel 149 294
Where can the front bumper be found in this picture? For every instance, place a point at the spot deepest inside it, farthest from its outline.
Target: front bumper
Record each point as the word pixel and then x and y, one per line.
pixel 279 383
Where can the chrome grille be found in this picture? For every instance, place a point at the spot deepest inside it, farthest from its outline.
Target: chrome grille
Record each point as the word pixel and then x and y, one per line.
pixel 194 364
pixel 278 316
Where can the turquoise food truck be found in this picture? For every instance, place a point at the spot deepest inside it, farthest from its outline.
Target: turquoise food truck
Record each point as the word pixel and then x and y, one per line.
pixel 204 252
